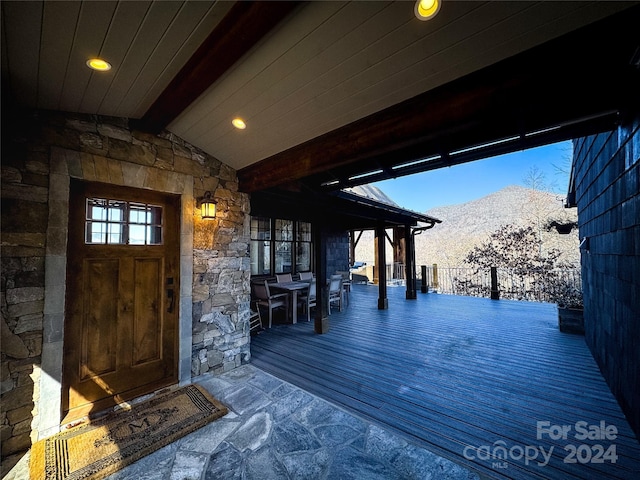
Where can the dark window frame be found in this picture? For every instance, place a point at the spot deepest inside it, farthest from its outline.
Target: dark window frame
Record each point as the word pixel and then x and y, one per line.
pixel 296 238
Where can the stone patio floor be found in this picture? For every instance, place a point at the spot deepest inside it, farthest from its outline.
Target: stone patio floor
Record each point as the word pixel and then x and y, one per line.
pixel 277 431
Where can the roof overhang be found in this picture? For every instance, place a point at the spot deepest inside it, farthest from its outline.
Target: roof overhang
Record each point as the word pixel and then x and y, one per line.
pixel 342 210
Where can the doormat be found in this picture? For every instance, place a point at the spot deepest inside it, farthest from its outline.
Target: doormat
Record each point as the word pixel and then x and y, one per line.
pixel 107 444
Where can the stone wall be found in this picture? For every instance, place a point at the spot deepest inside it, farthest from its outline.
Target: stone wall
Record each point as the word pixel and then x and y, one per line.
pixel 607 176
pixel 24 225
pixel 40 154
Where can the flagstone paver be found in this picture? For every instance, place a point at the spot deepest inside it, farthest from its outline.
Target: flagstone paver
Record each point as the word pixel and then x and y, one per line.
pixel 275 430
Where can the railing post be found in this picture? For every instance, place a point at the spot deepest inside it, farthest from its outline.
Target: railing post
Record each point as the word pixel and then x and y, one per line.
pixel 383 301
pixel 424 287
pixel 435 276
pixel 495 292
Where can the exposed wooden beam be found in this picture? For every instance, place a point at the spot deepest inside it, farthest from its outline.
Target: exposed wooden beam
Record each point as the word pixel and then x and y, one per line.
pixel 241 28
pixel 582 74
pixel 445 143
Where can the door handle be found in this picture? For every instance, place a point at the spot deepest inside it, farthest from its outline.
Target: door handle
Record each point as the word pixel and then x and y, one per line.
pixel 172 300
pixel 170 294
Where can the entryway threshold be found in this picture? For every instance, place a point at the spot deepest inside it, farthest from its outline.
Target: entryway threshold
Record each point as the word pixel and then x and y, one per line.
pixel 275 430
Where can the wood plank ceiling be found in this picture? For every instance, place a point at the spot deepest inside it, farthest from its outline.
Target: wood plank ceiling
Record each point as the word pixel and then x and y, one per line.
pixel 330 90
pixel 45 46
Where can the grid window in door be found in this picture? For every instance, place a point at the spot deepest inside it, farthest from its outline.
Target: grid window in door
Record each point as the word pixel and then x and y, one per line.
pixel 116 222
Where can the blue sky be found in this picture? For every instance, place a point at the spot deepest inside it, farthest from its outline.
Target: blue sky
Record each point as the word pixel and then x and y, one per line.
pixel 462 183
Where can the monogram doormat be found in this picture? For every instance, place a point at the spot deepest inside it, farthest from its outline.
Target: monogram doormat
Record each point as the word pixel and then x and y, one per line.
pixel 105 445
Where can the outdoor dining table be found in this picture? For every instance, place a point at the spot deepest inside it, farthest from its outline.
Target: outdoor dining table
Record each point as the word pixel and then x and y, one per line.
pixel 293 288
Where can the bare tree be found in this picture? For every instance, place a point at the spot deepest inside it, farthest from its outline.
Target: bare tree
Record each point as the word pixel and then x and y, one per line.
pixel 512 247
pixel 535 179
pixel 518 250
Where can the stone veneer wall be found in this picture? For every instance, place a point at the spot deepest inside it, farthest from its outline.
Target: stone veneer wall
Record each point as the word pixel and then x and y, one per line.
pixel 607 180
pixel 40 153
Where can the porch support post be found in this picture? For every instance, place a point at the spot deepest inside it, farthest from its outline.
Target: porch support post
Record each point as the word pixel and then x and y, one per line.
pixel 409 262
pixel 381 264
pixel 352 247
pixel 376 255
pixel 400 249
pixel 321 317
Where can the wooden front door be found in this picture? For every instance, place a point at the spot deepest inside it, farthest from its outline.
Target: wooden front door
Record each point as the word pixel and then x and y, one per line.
pixel 122 296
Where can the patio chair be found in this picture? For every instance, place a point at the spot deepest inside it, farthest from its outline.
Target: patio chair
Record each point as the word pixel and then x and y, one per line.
pixel 255 320
pixel 335 292
pixel 346 283
pixel 283 277
pixel 264 298
pixel 308 299
pixel 306 275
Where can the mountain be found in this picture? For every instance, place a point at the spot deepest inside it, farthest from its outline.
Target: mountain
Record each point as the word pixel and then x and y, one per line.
pixel 469 224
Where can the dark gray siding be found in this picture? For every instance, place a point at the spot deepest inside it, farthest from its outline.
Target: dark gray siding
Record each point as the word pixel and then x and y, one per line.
pixel 607 183
pixel 337 251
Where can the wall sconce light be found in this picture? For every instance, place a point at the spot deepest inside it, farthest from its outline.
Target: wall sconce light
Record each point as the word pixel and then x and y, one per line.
pixel 207 206
pixel 584 244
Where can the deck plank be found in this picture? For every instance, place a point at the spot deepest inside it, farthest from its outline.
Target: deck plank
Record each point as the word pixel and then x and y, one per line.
pixel 449 372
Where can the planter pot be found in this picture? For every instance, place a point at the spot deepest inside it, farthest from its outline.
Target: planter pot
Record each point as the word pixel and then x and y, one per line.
pixel 571 320
pixel 564 229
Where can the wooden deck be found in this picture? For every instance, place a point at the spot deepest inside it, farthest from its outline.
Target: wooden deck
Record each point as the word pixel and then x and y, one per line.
pixel 461 376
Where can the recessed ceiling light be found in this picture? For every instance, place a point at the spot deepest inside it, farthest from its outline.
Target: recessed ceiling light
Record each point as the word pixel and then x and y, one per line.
pixel 239 123
pixel 426 9
pixel 98 64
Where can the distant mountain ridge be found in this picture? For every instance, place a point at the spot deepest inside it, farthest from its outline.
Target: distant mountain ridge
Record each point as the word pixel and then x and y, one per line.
pixel 506 206
pixel 469 224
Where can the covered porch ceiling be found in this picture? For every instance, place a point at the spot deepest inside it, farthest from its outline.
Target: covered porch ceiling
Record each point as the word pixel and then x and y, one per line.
pixel 334 93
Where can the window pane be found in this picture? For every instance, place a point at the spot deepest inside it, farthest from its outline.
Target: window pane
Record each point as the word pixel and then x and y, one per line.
pixel 115 234
pixel 138 213
pixel 284 233
pixel 146 224
pixel 122 222
pixel 304 232
pixel 303 257
pixel 284 230
pixel 260 250
pixel 260 257
pixel 260 228
pixel 154 235
pixel 96 232
pixel 283 257
pixel 96 209
pixel 116 211
pixel 137 234
pixel 155 215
